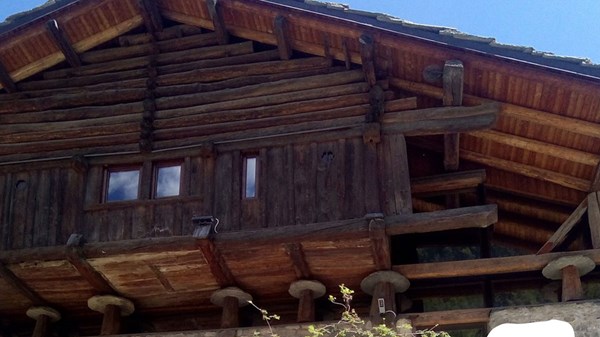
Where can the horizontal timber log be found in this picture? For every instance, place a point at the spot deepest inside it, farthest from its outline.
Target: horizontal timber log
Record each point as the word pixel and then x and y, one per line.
pixel 55 155
pixel 70 114
pixel 264 89
pixel 184 89
pixel 251 102
pixel 441 120
pixel 125 84
pixel 166 34
pixel 458 218
pixel 426 320
pixel 74 129
pixel 443 183
pixel 489 266
pixel 172 67
pixel 71 100
pixel 84 81
pixel 232 71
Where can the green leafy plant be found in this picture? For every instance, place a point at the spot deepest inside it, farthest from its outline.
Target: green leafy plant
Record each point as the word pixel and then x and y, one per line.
pixel 351 325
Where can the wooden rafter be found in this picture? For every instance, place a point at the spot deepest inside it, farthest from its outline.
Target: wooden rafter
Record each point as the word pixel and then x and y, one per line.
pixel 76 256
pixel 282 37
pixel 6 80
pixel 448 182
pixel 218 22
pixel 63 43
pixel 214 259
pixel 593 202
pixel 151 15
pixel 563 231
pixel 296 254
pixel 367 57
pixel 9 277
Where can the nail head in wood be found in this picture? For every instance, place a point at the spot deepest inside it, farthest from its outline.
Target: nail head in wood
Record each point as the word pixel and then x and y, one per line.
pixel 99 304
pixel 36 312
pixel 317 288
pixel 218 297
pixel 399 282
pixel 553 270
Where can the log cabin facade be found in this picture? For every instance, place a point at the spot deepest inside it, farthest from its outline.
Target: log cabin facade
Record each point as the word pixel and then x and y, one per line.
pixel 160 152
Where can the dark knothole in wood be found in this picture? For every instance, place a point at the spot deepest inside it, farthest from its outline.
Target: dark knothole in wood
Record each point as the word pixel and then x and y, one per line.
pixel 21 185
pixel 327 158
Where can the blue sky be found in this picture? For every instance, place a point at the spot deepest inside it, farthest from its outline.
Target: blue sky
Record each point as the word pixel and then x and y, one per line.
pixel 564 27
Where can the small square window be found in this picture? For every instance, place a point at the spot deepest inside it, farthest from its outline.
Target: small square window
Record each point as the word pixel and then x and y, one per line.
pixel 250 183
pixel 122 185
pixel 168 181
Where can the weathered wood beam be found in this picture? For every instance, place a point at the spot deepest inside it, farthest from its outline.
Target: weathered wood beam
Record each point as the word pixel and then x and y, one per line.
pixel 448 182
pixel 563 231
pixel 218 22
pixel 296 254
pixel 427 320
pixel 6 80
pixel 453 82
pixel 595 185
pixel 151 15
pixel 282 36
pixel 593 207
pixel 380 244
pixel 17 284
pixel 76 256
pixel 490 266
pixel 367 56
pixel 458 218
pixel 63 43
pixel 214 259
pixel 441 120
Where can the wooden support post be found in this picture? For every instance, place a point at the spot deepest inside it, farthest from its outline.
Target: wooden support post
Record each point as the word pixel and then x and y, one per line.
pixel 296 254
pixel 218 22
pixel 151 15
pixel 563 231
pixel 306 291
pixel 43 316
pixel 593 202
pixel 7 81
pixel 371 137
pixel 63 43
pixel 383 286
pixel 569 269
pixel 367 56
pixel 75 256
pixel 453 81
pixel 380 244
pixel 230 299
pixel 347 58
pixel 112 308
pixel 282 36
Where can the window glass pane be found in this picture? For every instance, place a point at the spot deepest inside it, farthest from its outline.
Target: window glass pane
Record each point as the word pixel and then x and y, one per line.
pixel 123 185
pixel 168 181
pixel 250 187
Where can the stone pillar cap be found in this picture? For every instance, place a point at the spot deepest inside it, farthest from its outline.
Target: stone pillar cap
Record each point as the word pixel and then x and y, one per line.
pixel 36 312
pixel 99 303
pixel 218 297
pixel 583 264
pixel 399 282
pixel 317 288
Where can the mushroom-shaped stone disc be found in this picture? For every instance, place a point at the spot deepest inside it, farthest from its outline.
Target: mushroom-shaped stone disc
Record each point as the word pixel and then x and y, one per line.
pixel 317 288
pixel 583 264
pixel 36 312
pixel 99 303
pixel 399 282
pixel 218 297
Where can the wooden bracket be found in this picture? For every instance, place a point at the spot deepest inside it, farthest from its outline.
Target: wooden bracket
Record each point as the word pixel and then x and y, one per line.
pixel 377 101
pixel 372 133
pixel 595 185
pixel 77 258
pixel 218 22
pixel 381 244
pixel 367 56
pixel 294 251
pixel 563 231
pixel 7 81
pixel 215 262
pixel 453 81
pixel 9 277
pixel 282 36
pixel 593 202
pixel 63 43
pixel 151 15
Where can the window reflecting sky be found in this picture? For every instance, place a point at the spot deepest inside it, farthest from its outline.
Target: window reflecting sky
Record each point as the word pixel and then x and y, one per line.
pixel 123 185
pixel 250 178
pixel 168 181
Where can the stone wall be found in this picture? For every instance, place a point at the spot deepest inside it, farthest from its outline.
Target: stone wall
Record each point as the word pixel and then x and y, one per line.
pixel 583 316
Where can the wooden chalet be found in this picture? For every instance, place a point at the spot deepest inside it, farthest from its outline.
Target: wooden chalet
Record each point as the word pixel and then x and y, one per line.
pixel 163 161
